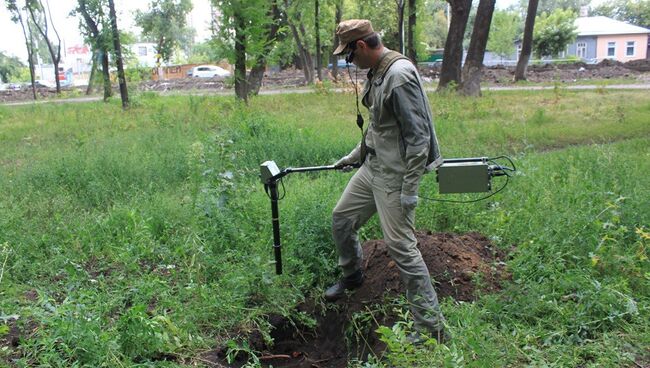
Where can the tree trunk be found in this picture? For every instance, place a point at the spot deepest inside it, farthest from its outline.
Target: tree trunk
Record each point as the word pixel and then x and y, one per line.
pixel 527 43
pixel 453 55
pixel 29 43
pixel 257 73
pixel 319 56
pixel 308 59
pixel 241 88
pixel 106 74
pixel 411 49
pixel 400 25
pixel 93 70
pixel 338 15
pixel 472 70
pixel 55 55
pixel 302 53
pixel 124 93
pixel 100 51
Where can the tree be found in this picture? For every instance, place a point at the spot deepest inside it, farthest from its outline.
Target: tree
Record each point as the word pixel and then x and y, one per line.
pixel 319 57
pixel 411 48
pixel 635 12
pixel 470 84
pixel 453 54
pixel 248 33
pixel 9 67
pixel 17 17
pixel 503 33
pixel 117 48
pixel 95 26
pixel 42 22
pixel 527 43
pixel 400 24
pixel 338 16
pixel 165 24
pixel 256 75
pixel 295 14
pixel 554 32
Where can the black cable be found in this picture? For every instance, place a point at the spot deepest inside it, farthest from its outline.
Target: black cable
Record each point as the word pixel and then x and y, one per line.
pixel 280 197
pixel 514 168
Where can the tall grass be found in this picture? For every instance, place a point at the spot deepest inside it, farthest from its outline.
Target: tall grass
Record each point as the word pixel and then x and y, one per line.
pixel 132 237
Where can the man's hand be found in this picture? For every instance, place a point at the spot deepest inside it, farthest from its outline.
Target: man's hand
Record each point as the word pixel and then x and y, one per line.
pixel 408 202
pixel 345 163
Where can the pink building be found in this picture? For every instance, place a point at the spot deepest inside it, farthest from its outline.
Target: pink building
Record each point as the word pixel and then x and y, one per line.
pixel 602 38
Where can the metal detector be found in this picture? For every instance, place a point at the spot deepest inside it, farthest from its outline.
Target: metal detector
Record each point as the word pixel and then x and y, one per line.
pixel 459 175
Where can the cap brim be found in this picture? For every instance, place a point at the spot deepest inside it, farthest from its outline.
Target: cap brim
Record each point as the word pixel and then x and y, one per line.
pixel 339 50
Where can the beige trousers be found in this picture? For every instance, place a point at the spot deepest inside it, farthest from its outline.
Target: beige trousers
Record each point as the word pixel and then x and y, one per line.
pixel 364 196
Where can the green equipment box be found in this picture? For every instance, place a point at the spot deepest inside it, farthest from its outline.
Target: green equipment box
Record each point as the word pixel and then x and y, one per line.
pixel 464 176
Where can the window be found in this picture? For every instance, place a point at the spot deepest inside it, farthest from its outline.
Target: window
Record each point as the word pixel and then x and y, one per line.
pixel 581 50
pixel 142 50
pixel 611 49
pixel 629 48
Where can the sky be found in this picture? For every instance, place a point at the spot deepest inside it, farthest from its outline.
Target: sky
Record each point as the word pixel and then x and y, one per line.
pixel 12 42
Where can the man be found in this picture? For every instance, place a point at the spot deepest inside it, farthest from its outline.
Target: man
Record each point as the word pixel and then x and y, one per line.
pixel 397 148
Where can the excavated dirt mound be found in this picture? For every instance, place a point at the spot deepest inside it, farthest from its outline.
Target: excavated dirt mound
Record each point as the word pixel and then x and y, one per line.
pixel 346 329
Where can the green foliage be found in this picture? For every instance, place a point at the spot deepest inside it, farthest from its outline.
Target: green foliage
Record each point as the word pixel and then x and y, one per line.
pixel 165 24
pixel 554 32
pixel 10 67
pixel 431 27
pixel 143 337
pixel 206 52
pixel 254 14
pixel 505 28
pixel 635 12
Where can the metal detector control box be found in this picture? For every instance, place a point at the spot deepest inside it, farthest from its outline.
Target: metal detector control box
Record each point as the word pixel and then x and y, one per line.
pixel 464 175
pixel 268 169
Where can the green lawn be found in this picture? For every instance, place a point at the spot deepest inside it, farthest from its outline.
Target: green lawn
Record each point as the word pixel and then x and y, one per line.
pixel 127 236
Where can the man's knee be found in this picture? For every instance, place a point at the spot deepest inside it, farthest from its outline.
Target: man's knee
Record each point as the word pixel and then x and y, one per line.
pixel 342 226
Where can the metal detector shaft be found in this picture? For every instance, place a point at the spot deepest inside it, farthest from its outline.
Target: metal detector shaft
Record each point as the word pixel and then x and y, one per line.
pixel 275 218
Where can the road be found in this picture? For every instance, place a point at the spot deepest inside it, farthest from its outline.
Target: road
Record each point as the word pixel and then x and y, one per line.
pixel 311 90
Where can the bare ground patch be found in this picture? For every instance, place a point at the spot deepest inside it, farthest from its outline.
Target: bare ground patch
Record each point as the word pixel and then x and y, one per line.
pixel 462 266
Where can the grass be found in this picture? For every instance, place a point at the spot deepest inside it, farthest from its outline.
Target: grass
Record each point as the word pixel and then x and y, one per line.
pixel 127 238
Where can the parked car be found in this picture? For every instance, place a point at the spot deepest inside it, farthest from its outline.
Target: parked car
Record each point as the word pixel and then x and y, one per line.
pixel 208 71
pixel 341 64
pixel 42 83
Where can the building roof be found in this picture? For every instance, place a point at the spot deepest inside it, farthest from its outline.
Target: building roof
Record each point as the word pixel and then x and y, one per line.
pixel 597 26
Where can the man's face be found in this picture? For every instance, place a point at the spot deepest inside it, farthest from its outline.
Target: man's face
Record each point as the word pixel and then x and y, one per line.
pixel 360 53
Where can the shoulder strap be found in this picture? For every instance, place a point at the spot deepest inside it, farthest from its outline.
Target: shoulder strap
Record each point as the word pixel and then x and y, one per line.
pixel 385 63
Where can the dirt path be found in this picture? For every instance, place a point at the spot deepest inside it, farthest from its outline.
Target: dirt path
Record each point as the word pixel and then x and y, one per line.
pixel 291 81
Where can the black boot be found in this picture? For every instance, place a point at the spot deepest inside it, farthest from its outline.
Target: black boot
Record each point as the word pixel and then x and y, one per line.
pixel 346 283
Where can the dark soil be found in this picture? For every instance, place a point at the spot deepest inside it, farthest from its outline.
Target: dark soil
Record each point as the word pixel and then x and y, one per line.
pixel 10 341
pixel 462 267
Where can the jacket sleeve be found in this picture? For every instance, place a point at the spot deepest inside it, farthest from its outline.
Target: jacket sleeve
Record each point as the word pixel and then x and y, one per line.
pixel 410 108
